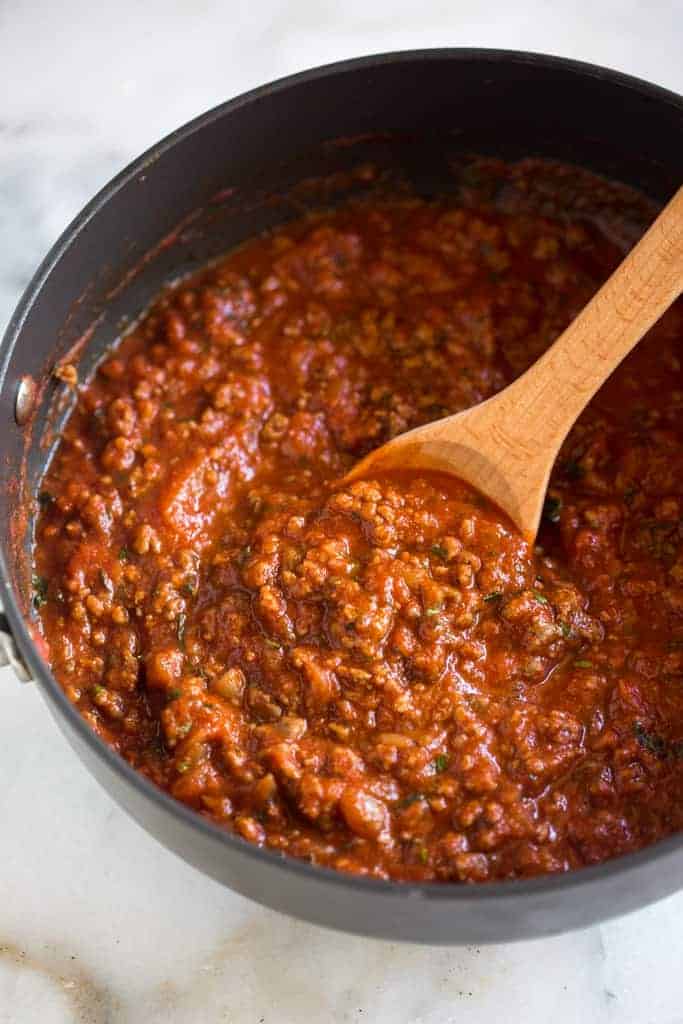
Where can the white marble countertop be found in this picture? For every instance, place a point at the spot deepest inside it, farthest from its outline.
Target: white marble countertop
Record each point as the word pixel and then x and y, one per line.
pixel 98 923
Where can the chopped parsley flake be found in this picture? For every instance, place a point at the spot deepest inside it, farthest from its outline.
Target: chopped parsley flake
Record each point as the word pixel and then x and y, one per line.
pixel 433 610
pixel 40 588
pixel 411 799
pixel 244 554
pixel 651 742
pixel 552 509
pixel 495 595
pixel 441 763
pixel 573 470
pixel 440 551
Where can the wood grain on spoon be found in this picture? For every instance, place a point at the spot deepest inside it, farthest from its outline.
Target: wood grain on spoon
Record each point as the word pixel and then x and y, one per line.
pixel 506 447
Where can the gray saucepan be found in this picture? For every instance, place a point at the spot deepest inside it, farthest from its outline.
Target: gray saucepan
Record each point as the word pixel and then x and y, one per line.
pixel 226 176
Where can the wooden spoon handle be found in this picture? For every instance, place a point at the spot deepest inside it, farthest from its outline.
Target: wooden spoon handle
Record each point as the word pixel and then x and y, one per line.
pixel 552 394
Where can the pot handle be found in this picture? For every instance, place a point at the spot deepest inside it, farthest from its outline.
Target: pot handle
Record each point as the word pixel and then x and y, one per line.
pixel 9 655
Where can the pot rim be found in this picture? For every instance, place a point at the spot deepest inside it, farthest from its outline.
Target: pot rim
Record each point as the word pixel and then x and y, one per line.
pixel 457 893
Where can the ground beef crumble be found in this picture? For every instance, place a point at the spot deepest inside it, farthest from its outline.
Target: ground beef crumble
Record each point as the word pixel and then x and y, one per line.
pixel 380 677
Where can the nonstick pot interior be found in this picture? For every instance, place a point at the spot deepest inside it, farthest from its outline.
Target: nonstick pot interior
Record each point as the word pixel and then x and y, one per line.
pixel 227 176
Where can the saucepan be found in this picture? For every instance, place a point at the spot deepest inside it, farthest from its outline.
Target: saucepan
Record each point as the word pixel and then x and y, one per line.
pixel 233 172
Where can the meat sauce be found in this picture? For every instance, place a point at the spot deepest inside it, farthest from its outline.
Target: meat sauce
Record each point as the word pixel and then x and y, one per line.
pixel 383 678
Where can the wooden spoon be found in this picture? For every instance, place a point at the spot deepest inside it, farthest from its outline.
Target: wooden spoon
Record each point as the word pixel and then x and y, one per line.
pixel 506 447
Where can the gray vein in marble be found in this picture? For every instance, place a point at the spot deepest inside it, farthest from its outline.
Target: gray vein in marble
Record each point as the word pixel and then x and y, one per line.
pixel 87 1001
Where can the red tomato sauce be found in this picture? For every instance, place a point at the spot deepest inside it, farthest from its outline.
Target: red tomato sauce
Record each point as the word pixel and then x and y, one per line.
pixel 383 677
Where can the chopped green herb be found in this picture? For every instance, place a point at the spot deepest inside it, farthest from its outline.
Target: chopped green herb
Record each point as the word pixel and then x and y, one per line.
pixel 98 690
pixel 573 470
pixel 124 554
pixel 243 555
pixel 190 588
pixel 566 629
pixel 539 596
pixel 174 694
pixel 495 595
pixel 657 745
pixel 184 729
pixel 440 551
pixel 551 509
pixel 411 799
pixel 40 588
pixel 275 644
pixel 423 854
pixel 441 763
pixel 433 610
pixel 582 663
pixel 650 741
pixel 183 766
pixel 156 745
pixel 45 498
pixel 180 629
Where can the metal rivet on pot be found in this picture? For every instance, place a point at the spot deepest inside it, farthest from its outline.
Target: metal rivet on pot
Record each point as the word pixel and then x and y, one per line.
pixel 25 401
